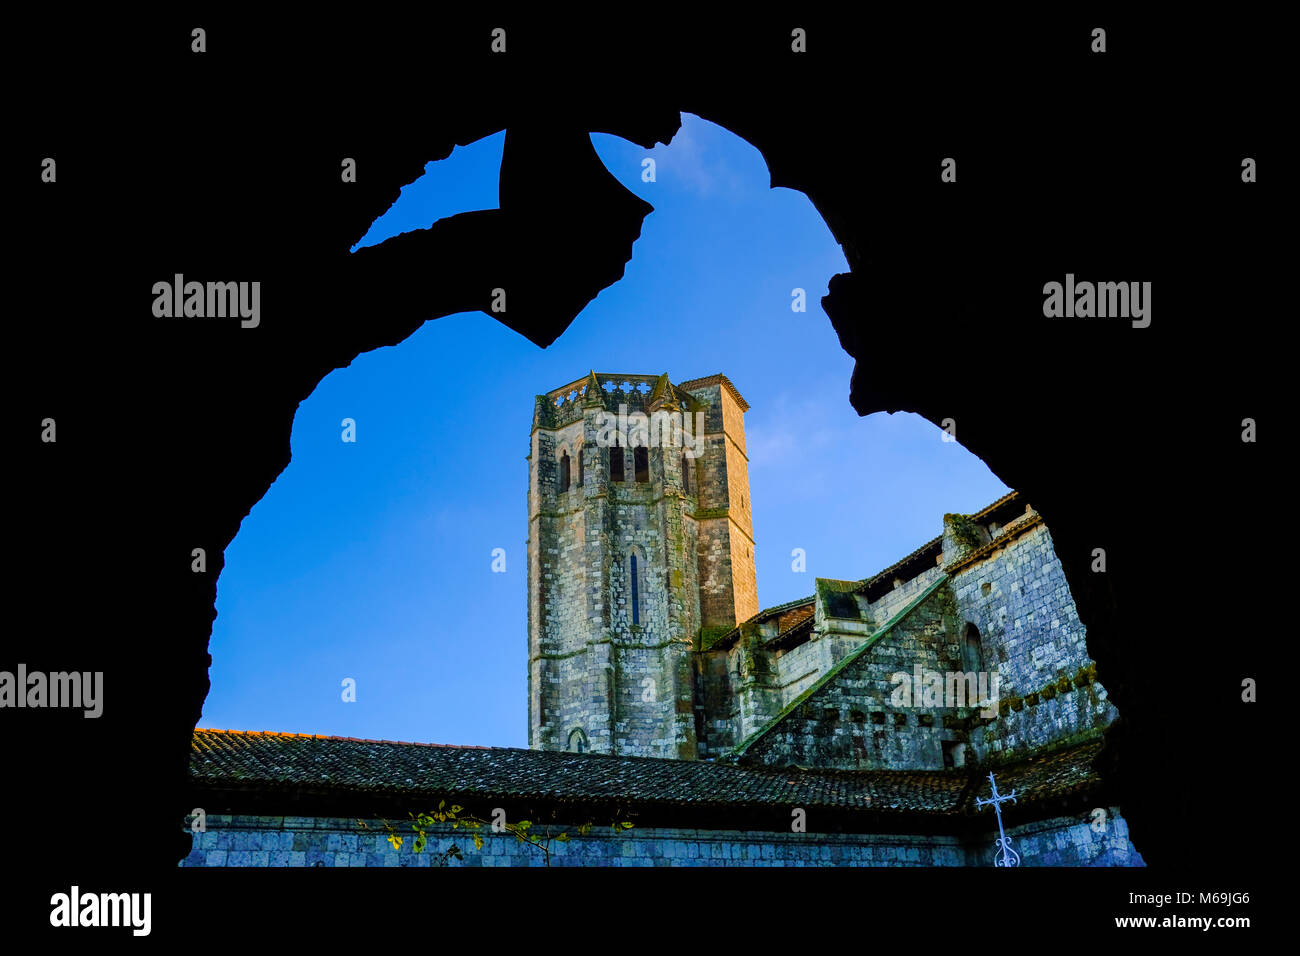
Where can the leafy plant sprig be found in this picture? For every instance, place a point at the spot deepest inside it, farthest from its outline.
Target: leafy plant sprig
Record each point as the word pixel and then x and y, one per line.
pixel 539 838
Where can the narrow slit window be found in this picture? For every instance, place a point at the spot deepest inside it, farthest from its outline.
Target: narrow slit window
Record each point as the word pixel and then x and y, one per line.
pixel 972 652
pixel 616 464
pixel 641 458
pixel 636 594
pixel 564 472
pixel 686 474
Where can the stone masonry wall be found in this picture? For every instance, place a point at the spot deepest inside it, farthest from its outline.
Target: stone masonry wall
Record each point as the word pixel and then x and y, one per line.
pixel 714 554
pixel 330 842
pixel 800 667
pixel 603 676
pixel 792 670
pixel 1030 631
pixel 1030 639
pixel 894 601
pixel 728 583
pixel 852 723
pixel 648 520
pixel 716 704
pixel 561 594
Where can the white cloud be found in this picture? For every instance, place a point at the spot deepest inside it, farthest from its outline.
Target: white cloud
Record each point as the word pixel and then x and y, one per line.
pixel 691 159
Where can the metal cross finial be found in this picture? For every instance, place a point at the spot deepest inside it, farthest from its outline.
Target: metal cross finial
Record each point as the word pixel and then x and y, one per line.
pixel 1005 855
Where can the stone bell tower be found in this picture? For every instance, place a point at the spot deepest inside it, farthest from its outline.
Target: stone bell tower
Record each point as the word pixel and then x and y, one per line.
pixel 640 544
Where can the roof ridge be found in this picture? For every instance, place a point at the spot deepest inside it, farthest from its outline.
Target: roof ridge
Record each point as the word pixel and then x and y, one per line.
pixel 997 504
pixel 987 509
pixel 358 740
pixel 261 766
pixel 788 605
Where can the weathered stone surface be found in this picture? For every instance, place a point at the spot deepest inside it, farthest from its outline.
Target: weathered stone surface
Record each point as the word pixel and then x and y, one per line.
pixel 610 665
pixel 1060 841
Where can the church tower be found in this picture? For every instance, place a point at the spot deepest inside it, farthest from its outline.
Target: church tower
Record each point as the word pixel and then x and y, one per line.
pixel 640 545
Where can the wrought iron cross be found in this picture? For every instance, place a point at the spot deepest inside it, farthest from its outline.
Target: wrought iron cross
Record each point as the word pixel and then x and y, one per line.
pixel 1005 855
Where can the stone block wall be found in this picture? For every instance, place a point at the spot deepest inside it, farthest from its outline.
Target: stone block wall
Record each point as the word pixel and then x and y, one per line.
pixel 716 704
pixel 1029 637
pixel 1100 840
pixel 626 685
pixel 559 589
pixel 267 841
pixel 800 667
pixel 852 721
pixel 1029 629
pixel 728 582
pixel 890 603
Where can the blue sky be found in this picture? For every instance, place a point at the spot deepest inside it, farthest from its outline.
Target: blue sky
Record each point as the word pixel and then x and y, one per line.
pixel 373 560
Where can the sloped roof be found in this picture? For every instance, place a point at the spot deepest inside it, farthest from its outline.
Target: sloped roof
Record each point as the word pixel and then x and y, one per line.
pixel 259 762
pixel 728 638
pixel 793 635
pixel 860 587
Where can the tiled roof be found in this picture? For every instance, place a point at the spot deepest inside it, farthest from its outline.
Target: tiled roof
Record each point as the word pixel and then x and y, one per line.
pixel 787 606
pixel 858 586
pixel 1000 540
pixel 273 762
pixel 989 509
pixel 888 572
pixel 794 635
pixel 727 639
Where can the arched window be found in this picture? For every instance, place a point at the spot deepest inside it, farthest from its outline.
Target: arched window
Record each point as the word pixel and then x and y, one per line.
pixel 954 753
pixel 616 464
pixel 641 459
pixel 577 453
pixel 686 474
pixel 636 592
pixel 972 654
pixel 577 741
pixel 564 471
